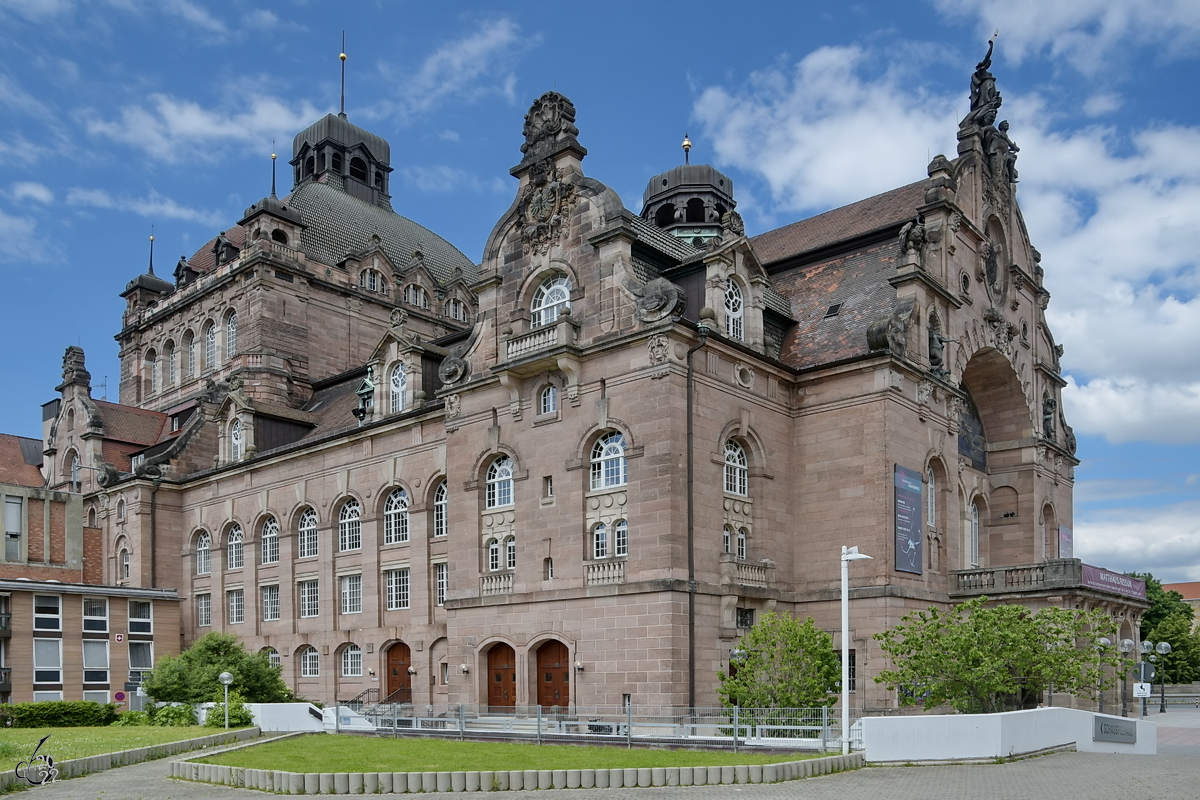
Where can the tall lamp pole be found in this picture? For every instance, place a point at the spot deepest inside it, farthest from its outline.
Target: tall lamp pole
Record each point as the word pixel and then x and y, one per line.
pixel 1127 647
pixel 226 678
pixel 848 554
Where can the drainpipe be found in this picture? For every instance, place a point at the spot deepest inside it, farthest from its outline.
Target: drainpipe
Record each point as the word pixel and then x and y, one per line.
pixel 706 314
pixel 153 532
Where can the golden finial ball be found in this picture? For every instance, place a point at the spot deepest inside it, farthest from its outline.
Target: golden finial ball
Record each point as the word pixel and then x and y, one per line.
pixel 152 237
pixel 342 56
pixel 272 156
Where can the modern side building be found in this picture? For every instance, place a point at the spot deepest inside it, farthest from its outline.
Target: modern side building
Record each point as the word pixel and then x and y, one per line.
pixel 577 471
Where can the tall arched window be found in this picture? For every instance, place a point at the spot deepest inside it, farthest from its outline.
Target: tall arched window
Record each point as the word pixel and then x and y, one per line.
pixel 743 537
pixel 310 663
pixel 621 538
pixel 395 518
pixel 973 535
pixel 233 548
pixel 398 386
pixel 439 510
pixel 172 367
pixel 121 508
pixel 189 355
pixel 358 169
pixel 151 370
pixel 307 530
pixel 608 461
pixel 231 335
pixel 727 540
pixel 735 316
pixel 548 400
pixel 124 568
pixel 272 657
pixel 235 440
pixel 510 552
pixel 736 473
pixel 548 301
pixel 203 548
pixel 493 555
pixel 500 483
pixel 269 541
pixel 350 526
pixel 416 296
pixel 931 500
pixel 210 345
pixel 352 661
pixel 600 541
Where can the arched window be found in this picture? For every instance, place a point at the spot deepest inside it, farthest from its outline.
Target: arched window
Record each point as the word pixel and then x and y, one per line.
pixel 500 483
pixel 621 538
pixel 973 535
pixel 548 400
pixel 272 657
pixel 600 541
pixel 233 548
pixel 352 661
pixel 395 518
pixel 124 568
pixel 310 166
pixel 727 540
pixel 310 663
pixel 931 500
pixel 416 296
pixel 235 440
pixel 736 473
pixel 456 309
pixel 269 541
pixel 510 552
pixel 493 555
pixel 694 211
pixel 439 510
pixel 210 345
pixel 335 162
pixel 91 518
pixel 172 367
pixel 231 335
pixel 70 419
pixel 665 215
pixel 608 461
pixel 735 323
pixel 358 169
pixel 189 355
pixel 372 281
pixel 121 508
pixel 71 468
pixel 548 301
pixel 203 546
pixel 280 236
pixel 350 526
pixel 151 370
pixel 742 541
pixel 307 530
pixel 398 387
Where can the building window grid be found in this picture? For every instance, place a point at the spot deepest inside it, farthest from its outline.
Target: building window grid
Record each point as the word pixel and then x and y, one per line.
pixel 310 663
pixel 735 322
pixel 203 610
pixel 210 346
pixel 269 541
pixel 235 440
pixel 352 661
pixel 47 613
pixel 550 299
pixel 931 501
pixel 397 582
pixel 609 467
pixel 14 514
pixel 727 540
pixel 350 526
pixel 499 491
pixel 172 375
pixel 736 471
pixel 621 538
pixel 439 510
pixel 973 534
pixel 141 616
pixel 600 541
pixel 273 658
pixel 235 602
pixel 441 575
pixel 124 565
pixel 308 534
pixel 493 555
pixel 203 553
pixel 234 551
pixel 95 614
pixel 395 518
pixel 548 400
pixel 47 661
pixel 95 661
pixel 398 383
pixel 510 553
pixel 742 537
pixel 270 602
pixel 310 599
pixel 231 335
pixel 351 592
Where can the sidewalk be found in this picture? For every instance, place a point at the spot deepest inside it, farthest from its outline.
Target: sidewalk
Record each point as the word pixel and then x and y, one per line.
pixel 1178 731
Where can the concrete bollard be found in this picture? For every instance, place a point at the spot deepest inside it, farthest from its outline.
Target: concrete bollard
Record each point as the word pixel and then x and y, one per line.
pixel 616 779
pixel 503 781
pixel 587 779
pixel 516 780
pixel 630 778
pixel 471 782
pixel 531 779
pixel 741 773
pixel 295 783
pixel 727 775
pixel 458 781
pixel 370 783
pixel 573 781
pixel 756 773
pixel 487 780
pixel 658 776
pixel 685 776
pixel 416 782
pixel 354 783
pixel 560 779
pixel 326 783
pixel 428 782
pixel 545 779
pixel 714 775
pixel 341 783
pixel 385 783
pixel 312 782
pixel 770 773
pixel 443 782
pixel 643 776
pixel 601 778
pixel 672 776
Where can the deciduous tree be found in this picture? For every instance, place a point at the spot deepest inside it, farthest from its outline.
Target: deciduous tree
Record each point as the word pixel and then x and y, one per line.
pixel 783 664
pixel 191 677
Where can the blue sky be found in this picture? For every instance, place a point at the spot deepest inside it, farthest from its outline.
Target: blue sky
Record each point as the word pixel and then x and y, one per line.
pixel 121 114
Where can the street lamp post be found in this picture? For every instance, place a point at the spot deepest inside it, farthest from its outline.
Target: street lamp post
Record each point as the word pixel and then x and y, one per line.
pixel 848 554
pixel 226 678
pixel 1127 647
pixel 1163 648
pixel 1102 644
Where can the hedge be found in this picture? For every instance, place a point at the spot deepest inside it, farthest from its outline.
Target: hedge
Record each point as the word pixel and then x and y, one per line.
pixel 57 714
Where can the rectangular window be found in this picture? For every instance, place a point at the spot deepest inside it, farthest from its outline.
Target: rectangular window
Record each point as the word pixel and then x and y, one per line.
pixel 270 603
pixel 13 514
pixel 235 601
pixel 47 660
pixel 445 673
pixel 100 696
pixel 141 616
pixel 141 657
pixel 310 599
pixel 351 594
pixel 203 610
pixel 95 661
pixel 745 618
pixel 441 576
pixel 47 697
pixel 600 542
pixel 95 614
pixel 621 538
pixel 397 589
pixel 548 486
pixel 853 668
pixel 47 613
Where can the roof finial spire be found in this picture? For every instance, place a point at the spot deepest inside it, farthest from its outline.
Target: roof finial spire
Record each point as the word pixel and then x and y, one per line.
pixel 151 249
pixel 272 168
pixel 342 112
pixel 687 146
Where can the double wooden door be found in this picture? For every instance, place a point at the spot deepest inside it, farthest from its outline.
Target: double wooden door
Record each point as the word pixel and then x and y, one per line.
pixel 554 675
pixel 502 677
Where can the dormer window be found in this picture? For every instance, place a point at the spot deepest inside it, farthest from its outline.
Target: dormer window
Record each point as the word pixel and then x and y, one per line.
pixel 372 281
pixel 735 317
pixel 456 309
pixel 549 300
pixel 415 295
pixel 335 162
pixel 280 236
pixel 358 169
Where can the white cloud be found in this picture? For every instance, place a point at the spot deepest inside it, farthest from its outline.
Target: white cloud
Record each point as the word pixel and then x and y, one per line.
pixel 176 130
pixel 1100 104
pixel 1125 410
pixel 29 190
pixel 36 10
pixel 1085 33
pixel 467 68
pixel 442 178
pixel 1164 541
pixel 153 206
pixel 20 242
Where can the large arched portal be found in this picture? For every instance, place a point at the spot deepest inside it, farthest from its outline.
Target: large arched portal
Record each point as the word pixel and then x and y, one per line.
pixel 502 678
pixel 553 674
pixel 399 682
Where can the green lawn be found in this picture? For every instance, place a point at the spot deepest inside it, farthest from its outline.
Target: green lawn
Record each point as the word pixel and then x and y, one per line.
pixel 328 753
pixel 67 743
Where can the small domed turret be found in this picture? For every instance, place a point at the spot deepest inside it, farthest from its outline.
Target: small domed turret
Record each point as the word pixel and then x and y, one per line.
pixel 689 201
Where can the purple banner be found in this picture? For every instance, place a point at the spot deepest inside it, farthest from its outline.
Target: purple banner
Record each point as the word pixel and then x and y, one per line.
pixel 908 521
pixel 1115 582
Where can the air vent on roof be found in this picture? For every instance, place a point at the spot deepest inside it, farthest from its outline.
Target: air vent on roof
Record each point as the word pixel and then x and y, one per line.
pixel 833 310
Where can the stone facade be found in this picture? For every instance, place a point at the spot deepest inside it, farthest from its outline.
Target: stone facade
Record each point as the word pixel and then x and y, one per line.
pixel 528 481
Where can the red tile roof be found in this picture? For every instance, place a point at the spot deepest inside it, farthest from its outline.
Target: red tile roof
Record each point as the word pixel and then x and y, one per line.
pixel 1190 591
pixel 129 424
pixel 841 224
pixel 202 259
pixel 16 452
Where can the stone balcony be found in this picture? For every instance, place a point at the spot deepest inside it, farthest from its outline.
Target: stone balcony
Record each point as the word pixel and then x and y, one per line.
pixel 499 583
pixel 601 573
pixel 1051 577
pixel 540 348
pixel 742 572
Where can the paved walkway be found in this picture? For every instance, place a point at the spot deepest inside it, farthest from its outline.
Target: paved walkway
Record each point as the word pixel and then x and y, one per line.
pixel 1065 775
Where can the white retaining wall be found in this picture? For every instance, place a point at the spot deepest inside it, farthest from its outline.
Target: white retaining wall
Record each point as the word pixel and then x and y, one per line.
pixel 969 737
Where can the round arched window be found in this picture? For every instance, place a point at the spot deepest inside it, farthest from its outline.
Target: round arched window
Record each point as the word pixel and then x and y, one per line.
pixel 548 301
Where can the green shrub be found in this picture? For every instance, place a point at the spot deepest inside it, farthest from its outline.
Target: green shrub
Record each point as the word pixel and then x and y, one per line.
pixel 179 716
pixel 129 719
pixel 239 715
pixel 57 714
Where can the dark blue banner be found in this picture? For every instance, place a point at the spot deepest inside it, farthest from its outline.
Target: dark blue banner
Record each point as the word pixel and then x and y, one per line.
pixel 908 521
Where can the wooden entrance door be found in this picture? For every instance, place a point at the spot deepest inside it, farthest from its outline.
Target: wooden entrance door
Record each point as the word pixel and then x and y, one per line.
pixel 554 675
pixel 502 677
pixel 399 682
